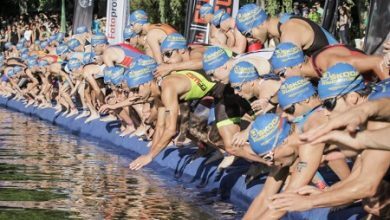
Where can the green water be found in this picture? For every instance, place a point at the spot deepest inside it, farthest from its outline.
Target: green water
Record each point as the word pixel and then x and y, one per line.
pixel 47 173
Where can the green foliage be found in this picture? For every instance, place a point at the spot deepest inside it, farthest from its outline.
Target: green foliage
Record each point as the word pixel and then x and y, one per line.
pixel 7 194
pixel 163 11
pixel 34 214
pixel 272 7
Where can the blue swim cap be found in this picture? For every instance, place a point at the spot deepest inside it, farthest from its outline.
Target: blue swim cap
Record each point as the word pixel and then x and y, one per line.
pixel 250 16
pixel 380 90
pixel 268 132
pixel 32 63
pixel 116 74
pixel 52 38
pixel 139 17
pixel 17 69
pixel 88 58
pixel 340 79
pixel 284 17
pixel 44 44
pixel 73 44
pixel 174 41
pixel 24 50
pixel 213 58
pixel 243 72
pixel 141 71
pixel 74 64
pixel 43 63
pixel 61 49
pixel 128 33
pixel 60 37
pixel 98 38
pixel 293 90
pixel 220 16
pixel 206 9
pixel 10 72
pixel 8 45
pixel 19 46
pixel 286 54
pixel 81 30
pixel 24 56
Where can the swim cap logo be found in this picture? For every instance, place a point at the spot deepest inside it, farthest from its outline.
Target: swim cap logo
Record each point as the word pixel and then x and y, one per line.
pixel 85 3
pixel 288 88
pixel 258 135
pixel 338 78
pixel 248 16
pixel 287 53
pixel 213 57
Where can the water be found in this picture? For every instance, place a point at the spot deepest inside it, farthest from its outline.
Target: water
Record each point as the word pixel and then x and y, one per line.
pixel 48 173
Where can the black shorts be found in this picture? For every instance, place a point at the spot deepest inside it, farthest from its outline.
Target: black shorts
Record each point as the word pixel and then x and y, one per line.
pixel 229 107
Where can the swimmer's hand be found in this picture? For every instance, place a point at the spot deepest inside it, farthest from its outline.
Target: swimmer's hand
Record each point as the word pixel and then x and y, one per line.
pixel 342 139
pixel 104 108
pixel 350 120
pixel 163 70
pixel 140 162
pixel 259 105
pixel 290 201
pixel 240 138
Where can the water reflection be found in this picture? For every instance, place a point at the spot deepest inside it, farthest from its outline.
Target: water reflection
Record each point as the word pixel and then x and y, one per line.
pixel 46 173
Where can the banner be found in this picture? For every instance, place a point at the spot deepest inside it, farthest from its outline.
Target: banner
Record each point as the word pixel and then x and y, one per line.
pixel 83 12
pixel 196 29
pixel 377 31
pixel 117 11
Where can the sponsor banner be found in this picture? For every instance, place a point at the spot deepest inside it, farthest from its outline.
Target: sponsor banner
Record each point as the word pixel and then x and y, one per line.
pixel 83 12
pixel 377 31
pixel 117 14
pixel 197 30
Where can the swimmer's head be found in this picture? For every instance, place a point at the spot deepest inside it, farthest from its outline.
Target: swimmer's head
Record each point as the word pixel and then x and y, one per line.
pixel 293 94
pixel 268 132
pixel 99 42
pixel 172 47
pixel 287 59
pixel 75 45
pixel 206 12
pixel 140 74
pixel 341 87
pixel 138 18
pixel 215 64
pixel 240 78
pixel 250 22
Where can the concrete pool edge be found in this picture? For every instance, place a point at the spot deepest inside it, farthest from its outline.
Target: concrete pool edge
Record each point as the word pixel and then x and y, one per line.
pixel 170 158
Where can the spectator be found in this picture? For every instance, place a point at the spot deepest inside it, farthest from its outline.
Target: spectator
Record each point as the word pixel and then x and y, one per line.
pixel 14 36
pixel 314 15
pixel 27 33
pixel 43 34
pixel 305 10
pixel 296 10
pixel 3 39
pixel 95 24
pixel 319 9
pixel 343 25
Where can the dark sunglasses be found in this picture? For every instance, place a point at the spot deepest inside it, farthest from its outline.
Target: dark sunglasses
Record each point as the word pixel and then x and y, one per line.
pixel 248 34
pixel 168 54
pixel 282 73
pixel 134 90
pixel 290 110
pixel 330 104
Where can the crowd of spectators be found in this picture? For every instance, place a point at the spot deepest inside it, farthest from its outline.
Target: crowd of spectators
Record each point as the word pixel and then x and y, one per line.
pixel 29 27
